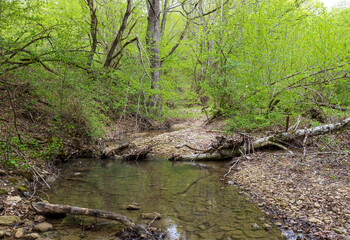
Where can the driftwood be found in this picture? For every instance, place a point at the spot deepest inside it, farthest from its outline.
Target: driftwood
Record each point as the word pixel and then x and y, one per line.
pixel 113 150
pixel 48 208
pixel 137 154
pixel 230 149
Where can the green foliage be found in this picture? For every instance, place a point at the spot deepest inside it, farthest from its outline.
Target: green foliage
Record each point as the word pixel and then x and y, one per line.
pixel 16 154
pixel 255 62
pixel 276 58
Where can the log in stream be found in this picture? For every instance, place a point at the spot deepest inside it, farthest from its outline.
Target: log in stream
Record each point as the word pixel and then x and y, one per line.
pixel 228 150
pixel 48 208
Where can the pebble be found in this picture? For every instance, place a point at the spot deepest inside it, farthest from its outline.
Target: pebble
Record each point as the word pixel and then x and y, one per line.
pixel 2 233
pixel 317 205
pixel 283 205
pixel 278 224
pixel 9 220
pixel 14 199
pixel 133 207
pixel 266 226
pixel 2 172
pixel 31 236
pixel 43 227
pixel 255 226
pixel 338 230
pixel 19 233
pixel 314 220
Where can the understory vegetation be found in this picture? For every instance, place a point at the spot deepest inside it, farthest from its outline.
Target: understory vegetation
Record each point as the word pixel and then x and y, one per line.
pixel 69 69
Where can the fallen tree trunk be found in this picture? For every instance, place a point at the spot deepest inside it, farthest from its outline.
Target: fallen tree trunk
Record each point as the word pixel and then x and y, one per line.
pixel 273 140
pixel 137 154
pixel 113 150
pixel 48 208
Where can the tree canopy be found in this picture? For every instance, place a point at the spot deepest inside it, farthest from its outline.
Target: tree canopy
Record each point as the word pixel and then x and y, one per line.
pixel 254 62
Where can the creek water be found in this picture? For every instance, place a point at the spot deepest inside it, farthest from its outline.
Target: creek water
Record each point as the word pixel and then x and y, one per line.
pixel 192 200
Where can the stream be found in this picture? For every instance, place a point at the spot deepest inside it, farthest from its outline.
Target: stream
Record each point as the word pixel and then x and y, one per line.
pixel 192 200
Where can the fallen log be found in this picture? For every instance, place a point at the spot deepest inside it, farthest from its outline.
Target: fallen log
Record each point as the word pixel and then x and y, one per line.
pixel 273 140
pixel 48 208
pixel 113 150
pixel 137 154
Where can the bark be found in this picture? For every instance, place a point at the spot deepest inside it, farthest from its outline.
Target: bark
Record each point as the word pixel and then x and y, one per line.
pixel 273 140
pixel 113 150
pixel 93 30
pixel 137 154
pixel 119 36
pixel 48 208
pixel 152 40
pixel 165 14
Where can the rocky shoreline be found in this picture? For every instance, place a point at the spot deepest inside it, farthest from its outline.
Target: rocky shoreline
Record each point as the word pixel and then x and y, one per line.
pixel 311 197
pixel 17 219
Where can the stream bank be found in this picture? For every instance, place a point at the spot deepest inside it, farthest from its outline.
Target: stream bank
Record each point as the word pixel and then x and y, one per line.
pixel 311 196
pixel 310 192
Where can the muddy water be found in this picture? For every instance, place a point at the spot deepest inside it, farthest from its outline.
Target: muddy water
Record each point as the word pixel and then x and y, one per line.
pixel 192 200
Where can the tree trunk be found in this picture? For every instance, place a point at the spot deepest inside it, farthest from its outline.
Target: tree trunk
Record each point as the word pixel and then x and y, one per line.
pixel 273 140
pixel 118 38
pixel 93 30
pixel 165 14
pixel 152 40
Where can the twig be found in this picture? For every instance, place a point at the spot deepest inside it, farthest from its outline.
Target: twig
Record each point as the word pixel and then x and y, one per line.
pixel 304 143
pixel 281 146
pixel 231 168
pixel 141 58
pixel 14 112
pixel 192 148
pixel 296 125
pixel 335 153
pixel 149 225
pixel 32 167
pixel 34 186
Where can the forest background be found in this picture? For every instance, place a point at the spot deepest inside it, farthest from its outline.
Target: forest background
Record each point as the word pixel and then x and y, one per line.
pixel 70 69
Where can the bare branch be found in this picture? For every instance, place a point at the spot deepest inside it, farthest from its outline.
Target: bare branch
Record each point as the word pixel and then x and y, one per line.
pixel 119 35
pixel 183 33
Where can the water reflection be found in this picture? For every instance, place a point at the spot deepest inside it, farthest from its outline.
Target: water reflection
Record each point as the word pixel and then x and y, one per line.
pixel 193 202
